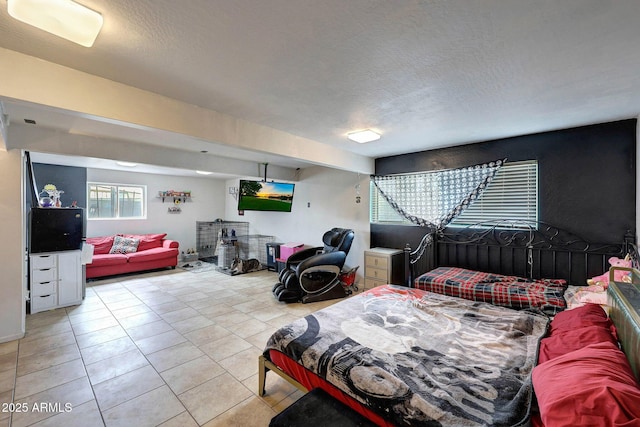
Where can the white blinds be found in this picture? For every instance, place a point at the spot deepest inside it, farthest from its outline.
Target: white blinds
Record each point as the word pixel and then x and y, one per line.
pixel 512 194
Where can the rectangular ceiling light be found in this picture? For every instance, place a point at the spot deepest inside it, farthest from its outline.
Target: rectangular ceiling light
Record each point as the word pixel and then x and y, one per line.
pixel 64 18
pixel 127 164
pixel 363 136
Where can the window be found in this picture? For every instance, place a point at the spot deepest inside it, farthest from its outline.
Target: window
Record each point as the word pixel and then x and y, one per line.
pixel 512 194
pixel 116 201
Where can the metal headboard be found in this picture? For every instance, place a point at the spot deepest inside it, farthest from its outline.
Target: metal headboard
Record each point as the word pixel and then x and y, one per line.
pixel 515 247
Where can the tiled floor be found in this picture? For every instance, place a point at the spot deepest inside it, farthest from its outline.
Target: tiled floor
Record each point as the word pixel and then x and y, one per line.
pixel 171 348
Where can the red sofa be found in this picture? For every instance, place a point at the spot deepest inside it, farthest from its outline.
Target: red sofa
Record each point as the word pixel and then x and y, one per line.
pixel 153 252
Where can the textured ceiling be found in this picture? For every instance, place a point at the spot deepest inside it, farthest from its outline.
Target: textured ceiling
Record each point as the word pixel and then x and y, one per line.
pixel 426 74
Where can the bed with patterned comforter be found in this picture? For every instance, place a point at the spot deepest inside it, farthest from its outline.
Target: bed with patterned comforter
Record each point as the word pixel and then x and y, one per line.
pixel 419 358
pixel 545 295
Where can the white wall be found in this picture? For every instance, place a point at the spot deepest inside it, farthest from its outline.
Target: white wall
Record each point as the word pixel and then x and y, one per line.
pixel 12 251
pixel 206 204
pixel 638 180
pixel 324 198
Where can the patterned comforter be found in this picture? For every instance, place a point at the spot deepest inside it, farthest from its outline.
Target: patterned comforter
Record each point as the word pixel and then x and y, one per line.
pixel 419 358
pixel 546 295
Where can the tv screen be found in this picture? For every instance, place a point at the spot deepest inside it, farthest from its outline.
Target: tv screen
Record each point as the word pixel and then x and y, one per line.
pixel 265 196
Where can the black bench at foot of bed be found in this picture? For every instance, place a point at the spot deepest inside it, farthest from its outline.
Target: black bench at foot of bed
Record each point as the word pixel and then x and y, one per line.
pixel 317 408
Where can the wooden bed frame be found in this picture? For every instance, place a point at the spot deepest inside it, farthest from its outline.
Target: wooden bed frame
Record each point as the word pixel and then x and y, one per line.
pixel 513 247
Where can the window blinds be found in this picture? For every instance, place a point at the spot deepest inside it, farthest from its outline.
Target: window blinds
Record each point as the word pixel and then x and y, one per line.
pixel 512 194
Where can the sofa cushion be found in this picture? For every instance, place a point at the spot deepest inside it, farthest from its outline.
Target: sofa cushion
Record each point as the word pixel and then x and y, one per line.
pixel 147 241
pixel 152 254
pixel 103 260
pixel 124 245
pixel 101 245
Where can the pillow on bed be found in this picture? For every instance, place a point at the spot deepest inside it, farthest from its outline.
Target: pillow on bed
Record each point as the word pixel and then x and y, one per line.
pixel 591 386
pixel 564 342
pixel 587 315
pixel 574 329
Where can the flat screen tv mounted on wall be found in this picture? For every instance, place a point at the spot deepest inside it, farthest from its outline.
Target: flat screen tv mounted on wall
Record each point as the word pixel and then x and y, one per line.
pixel 265 196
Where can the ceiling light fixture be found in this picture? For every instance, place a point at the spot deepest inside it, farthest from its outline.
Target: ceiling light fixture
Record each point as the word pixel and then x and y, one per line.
pixel 63 18
pixel 363 136
pixel 127 164
pixel 204 172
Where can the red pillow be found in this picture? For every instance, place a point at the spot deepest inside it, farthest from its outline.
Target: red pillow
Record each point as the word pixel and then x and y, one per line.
pixel 102 245
pixel 593 386
pixel 147 241
pixel 587 315
pixel 563 342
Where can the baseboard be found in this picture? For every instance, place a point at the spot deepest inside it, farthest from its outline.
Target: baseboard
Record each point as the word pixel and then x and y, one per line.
pixel 11 337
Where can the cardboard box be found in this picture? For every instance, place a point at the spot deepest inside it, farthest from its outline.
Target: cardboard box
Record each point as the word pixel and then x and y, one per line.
pixel 288 249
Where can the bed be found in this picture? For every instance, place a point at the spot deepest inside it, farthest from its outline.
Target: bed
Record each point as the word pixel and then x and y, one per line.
pixel 408 356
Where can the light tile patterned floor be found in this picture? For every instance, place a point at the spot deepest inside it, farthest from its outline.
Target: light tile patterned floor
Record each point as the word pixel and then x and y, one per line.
pixel 170 348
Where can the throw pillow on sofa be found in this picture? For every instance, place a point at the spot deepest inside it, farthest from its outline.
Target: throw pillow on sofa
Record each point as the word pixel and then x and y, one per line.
pixel 147 241
pixel 124 245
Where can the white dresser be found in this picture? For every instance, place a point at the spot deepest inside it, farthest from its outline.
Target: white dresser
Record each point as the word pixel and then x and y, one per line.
pixel 55 280
pixel 383 266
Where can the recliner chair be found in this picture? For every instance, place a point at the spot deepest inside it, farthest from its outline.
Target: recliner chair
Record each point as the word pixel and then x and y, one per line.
pixel 313 274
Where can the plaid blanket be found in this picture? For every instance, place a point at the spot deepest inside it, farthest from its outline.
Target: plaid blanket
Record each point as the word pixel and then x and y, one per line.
pixel 422 359
pixel 546 295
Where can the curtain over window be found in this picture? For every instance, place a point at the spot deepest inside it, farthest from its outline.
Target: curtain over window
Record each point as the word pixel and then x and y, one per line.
pixel 435 198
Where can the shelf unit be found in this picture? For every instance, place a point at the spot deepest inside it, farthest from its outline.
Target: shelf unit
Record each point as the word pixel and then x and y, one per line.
pixel 55 280
pixel 174 196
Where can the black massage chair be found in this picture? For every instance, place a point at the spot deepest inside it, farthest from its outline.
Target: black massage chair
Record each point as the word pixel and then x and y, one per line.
pixel 314 274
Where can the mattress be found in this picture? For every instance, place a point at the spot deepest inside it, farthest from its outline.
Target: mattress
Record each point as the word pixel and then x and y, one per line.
pixel 410 357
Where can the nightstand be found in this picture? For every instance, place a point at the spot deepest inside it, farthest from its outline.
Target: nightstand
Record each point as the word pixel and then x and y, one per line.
pixel 383 266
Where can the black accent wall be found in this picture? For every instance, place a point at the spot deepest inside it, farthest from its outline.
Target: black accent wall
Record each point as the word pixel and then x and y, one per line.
pixel 72 180
pixel 587 178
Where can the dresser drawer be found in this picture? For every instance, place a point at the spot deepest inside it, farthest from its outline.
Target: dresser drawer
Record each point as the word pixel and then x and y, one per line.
pixel 377 273
pixel 40 276
pixel 377 262
pixel 41 262
pixel 45 288
pixel 370 283
pixel 44 302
